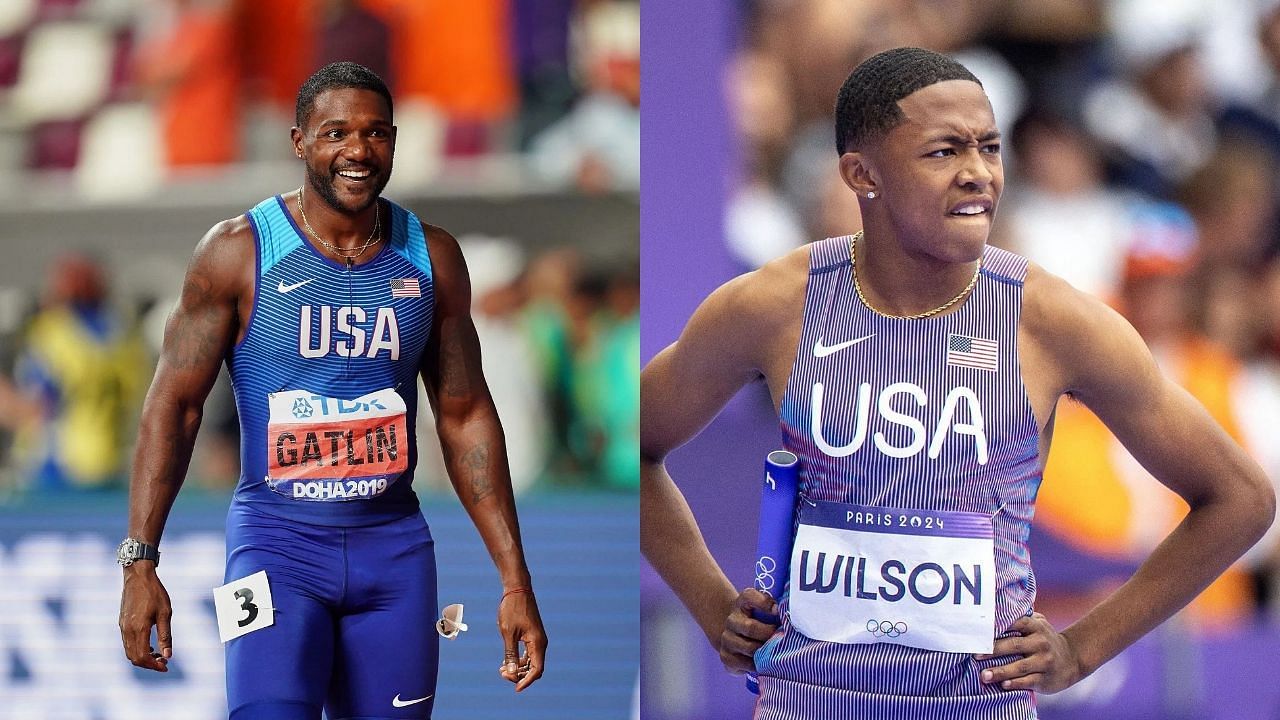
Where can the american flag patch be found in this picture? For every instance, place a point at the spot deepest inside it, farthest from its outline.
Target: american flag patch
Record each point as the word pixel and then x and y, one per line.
pixel 405 287
pixel 972 352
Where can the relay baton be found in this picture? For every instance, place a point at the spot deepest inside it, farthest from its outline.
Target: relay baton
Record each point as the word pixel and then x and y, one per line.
pixel 773 544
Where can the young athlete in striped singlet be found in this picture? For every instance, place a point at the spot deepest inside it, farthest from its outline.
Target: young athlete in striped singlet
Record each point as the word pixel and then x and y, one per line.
pixel 915 372
pixel 327 304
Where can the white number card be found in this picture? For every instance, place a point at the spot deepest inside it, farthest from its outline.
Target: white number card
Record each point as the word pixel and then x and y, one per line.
pixel 243 606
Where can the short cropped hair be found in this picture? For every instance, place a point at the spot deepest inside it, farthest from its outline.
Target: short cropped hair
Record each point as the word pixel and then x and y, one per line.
pixel 867 106
pixel 337 76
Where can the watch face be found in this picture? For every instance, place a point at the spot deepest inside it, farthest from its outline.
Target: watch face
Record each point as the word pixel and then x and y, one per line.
pixel 127 552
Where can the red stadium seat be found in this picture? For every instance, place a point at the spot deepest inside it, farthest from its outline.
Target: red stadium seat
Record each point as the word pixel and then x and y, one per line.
pixel 121 79
pixel 57 9
pixel 10 59
pixel 55 145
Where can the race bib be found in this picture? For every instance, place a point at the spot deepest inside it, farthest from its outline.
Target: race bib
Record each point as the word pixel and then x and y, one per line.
pixel 328 449
pixel 925 579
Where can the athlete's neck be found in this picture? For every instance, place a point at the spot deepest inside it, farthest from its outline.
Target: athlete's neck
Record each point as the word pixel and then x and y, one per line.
pixel 899 282
pixel 346 231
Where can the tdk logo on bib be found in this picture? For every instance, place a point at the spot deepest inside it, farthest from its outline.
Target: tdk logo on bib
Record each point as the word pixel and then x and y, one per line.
pixel 920 578
pixel 305 407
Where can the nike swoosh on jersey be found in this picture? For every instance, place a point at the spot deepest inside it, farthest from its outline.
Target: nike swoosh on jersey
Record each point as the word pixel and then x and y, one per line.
pixel 397 702
pixel 820 350
pixel 282 287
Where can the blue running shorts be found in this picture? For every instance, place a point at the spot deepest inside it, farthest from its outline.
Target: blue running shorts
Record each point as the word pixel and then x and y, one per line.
pixel 354 630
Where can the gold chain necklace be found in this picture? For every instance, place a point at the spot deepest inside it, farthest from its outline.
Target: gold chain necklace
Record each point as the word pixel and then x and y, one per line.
pixel 344 254
pixel 853 255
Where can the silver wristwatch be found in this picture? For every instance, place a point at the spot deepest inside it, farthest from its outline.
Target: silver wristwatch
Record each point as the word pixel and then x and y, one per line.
pixel 133 549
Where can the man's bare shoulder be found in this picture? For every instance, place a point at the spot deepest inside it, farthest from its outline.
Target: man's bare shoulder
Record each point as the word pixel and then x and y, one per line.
pixel 443 247
pixel 772 295
pixel 1054 310
pixel 738 326
pixel 225 258
pixel 437 235
pixel 1081 340
pixel 232 233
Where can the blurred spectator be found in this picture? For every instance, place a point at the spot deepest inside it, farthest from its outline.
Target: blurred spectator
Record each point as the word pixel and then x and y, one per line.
pixel 1254 110
pixel 1157 119
pixel 85 368
pixel 547 88
pixel 594 147
pixel 760 224
pixel 1233 200
pixel 817 42
pixel 584 325
pixel 606 397
pixel 1059 213
pixel 549 283
pixel 190 68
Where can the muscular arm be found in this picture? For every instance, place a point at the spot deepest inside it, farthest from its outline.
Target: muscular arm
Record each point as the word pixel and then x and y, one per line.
pixel 472 441
pixel 723 347
pixel 198 334
pixel 1103 362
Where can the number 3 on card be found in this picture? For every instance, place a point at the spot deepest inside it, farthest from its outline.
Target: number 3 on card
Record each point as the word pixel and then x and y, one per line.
pixel 243 606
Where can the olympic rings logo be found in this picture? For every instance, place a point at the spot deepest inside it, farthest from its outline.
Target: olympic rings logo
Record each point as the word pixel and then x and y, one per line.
pixel 765 567
pixel 884 628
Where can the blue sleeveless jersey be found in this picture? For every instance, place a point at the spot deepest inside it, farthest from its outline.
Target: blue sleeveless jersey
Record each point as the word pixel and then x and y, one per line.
pixel 882 412
pixel 325 379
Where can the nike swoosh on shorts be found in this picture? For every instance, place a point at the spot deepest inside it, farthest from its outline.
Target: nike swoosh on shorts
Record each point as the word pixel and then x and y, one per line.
pixel 397 702
pixel 820 350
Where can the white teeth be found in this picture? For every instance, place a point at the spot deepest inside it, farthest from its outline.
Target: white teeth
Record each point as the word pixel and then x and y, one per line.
pixel 356 175
pixel 969 210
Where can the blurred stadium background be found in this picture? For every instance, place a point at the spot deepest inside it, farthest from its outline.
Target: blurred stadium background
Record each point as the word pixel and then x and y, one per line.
pixel 1141 148
pixel 129 127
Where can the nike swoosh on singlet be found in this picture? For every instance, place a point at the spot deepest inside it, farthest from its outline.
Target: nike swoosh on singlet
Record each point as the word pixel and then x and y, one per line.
pixel 397 702
pixel 820 350
pixel 290 288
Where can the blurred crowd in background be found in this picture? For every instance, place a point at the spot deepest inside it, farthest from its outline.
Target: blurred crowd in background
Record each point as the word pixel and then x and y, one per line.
pixel 559 334
pixel 116 99
pixel 183 86
pixel 1142 154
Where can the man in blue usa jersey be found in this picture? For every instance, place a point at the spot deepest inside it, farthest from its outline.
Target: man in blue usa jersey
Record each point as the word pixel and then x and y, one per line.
pixel 915 372
pixel 327 304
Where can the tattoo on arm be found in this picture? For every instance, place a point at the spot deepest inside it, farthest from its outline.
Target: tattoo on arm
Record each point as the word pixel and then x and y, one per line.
pixel 476 465
pixel 194 333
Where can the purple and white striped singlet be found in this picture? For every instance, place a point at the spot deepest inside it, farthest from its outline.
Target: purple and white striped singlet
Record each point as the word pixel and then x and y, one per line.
pixel 881 412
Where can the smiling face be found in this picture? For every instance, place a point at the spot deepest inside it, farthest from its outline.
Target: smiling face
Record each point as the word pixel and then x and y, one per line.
pixel 937 175
pixel 347 144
